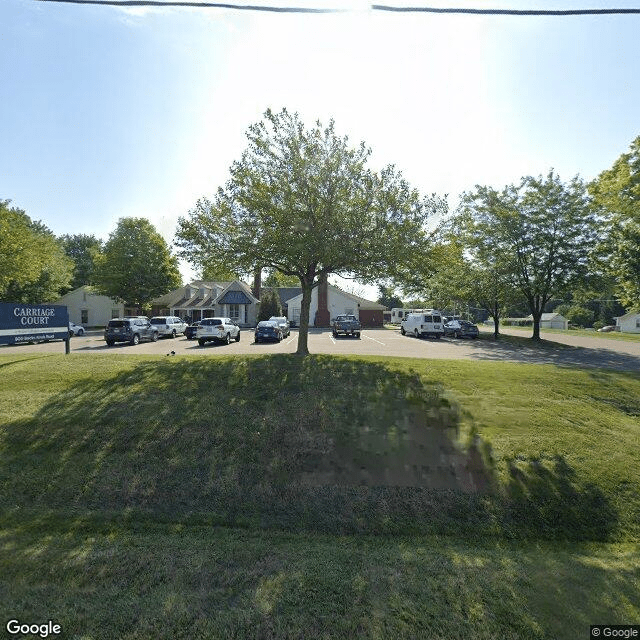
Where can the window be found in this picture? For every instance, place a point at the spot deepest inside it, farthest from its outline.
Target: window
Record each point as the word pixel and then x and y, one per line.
pixel 234 311
pixel 115 313
pixel 349 312
pixel 637 323
pixel 84 316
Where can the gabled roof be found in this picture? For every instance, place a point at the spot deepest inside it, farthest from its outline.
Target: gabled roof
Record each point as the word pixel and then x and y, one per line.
pixel 178 299
pixel 629 314
pixel 548 316
pixel 362 302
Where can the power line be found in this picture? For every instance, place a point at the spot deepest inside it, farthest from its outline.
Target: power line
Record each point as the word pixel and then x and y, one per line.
pixel 373 7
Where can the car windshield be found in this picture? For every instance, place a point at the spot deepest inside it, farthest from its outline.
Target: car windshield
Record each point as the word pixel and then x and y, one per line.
pixel 267 323
pixel 158 320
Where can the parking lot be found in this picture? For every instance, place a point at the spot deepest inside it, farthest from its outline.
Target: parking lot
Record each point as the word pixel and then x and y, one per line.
pixel 590 352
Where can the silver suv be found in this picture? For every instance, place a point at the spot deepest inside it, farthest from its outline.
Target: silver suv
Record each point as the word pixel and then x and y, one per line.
pixel 168 325
pixel 218 330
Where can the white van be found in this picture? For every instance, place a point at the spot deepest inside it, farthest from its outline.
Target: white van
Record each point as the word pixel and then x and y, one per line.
pixel 424 324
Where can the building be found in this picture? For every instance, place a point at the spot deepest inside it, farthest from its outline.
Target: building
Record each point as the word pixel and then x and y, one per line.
pixel 629 323
pixel 552 321
pixel 206 299
pixel 90 309
pixel 328 301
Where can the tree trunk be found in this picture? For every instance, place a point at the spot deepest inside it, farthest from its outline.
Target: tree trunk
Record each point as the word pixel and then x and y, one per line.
pixel 496 327
pixel 536 326
pixel 303 333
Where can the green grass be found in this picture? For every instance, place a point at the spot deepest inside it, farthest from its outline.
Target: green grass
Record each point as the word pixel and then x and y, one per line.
pixel 147 497
pixel 610 335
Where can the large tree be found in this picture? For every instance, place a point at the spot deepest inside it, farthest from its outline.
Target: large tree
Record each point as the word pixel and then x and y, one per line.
pixel 540 233
pixel 136 264
pixel 83 250
pixel 303 202
pixel 616 194
pixel 34 268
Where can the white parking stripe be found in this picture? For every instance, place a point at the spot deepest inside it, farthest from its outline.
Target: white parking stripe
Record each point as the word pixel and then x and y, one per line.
pixel 292 339
pixel 378 341
pixel 332 339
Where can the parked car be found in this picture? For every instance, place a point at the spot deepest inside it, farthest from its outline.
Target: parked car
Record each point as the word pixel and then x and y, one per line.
pixel 421 325
pixel 283 323
pixel 347 325
pixel 268 330
pixel 461 329
pixel 190 331
pixel 168 325
pixel 131 330
pixel 607 328
pixel 75 329
pixel 217 330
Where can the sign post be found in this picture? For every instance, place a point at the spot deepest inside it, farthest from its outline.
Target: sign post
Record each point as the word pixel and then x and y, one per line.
pixel 23 323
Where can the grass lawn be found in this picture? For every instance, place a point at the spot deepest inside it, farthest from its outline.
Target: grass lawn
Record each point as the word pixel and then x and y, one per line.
pixel 279 497
pixel 609 335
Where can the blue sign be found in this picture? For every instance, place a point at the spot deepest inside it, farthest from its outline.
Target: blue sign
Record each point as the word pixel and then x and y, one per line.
pixel 20 323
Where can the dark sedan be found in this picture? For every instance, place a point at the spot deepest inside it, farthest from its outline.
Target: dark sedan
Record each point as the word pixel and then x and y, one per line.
pixel 461 329
pixel 190 331
pixel 268 330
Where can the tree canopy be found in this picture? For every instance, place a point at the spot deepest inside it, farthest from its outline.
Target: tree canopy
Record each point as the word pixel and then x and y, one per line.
pixel 616 195
pixel 539 234
pixel 34 266
pixel 83 250
pixel 136 265
pixel 303 202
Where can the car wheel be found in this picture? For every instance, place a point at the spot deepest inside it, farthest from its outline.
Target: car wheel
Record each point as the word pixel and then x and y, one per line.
pixel 257 340
pixel 154 337
pixel 415 333
pixel 227 339
pixel 135 340
pixel 201 342
pixel 238 337
pixel 437 336
pixel 456 334
pixel 279 337
pixel 80 332
pixel 358 336
pixel 110 343
pixel 402 331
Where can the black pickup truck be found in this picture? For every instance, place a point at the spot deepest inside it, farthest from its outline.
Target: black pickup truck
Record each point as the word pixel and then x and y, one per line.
pixel 346 325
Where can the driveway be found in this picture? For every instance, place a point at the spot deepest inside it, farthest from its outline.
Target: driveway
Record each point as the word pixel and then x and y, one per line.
pixel 556 349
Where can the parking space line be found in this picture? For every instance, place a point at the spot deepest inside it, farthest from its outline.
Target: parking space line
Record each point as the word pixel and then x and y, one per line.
pixel 332 338
pixel 292 339
pixel 378 341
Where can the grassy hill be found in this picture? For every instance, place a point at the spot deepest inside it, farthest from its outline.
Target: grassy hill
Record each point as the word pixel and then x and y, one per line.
pixel 250 497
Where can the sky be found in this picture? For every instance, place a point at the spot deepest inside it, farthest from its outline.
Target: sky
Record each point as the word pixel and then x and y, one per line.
pixel 110 112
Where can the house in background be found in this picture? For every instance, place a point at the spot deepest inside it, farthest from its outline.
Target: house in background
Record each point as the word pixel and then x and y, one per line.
pixel 552 321
pixel 90 309
pixel 207 299
pixel 628 323
pixel 328 301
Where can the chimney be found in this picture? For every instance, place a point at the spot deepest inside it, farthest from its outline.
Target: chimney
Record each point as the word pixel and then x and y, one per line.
pixel 257 283
pixel 323 318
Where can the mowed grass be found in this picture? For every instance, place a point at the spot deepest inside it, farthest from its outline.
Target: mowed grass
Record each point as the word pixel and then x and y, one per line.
pixel 170 498
pixel 606 335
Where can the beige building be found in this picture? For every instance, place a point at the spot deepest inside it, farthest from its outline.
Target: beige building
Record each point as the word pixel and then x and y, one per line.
pixel 90 309
pixel 205 299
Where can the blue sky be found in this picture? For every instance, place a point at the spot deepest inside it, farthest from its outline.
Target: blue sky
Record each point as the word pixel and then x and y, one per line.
pixel 111 112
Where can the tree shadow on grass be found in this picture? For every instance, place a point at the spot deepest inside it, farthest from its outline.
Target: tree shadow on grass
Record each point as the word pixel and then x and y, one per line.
pixel 317 443
pixel 523 349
